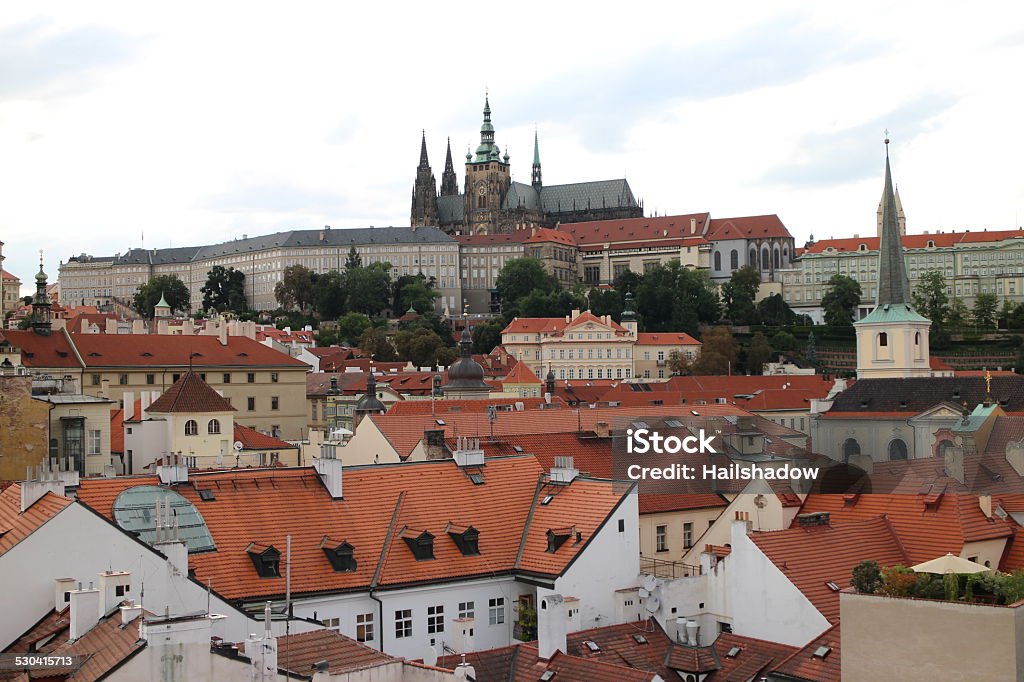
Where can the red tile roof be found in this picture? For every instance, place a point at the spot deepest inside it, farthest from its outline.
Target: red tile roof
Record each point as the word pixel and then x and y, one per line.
pixel 128 350
pixel 635 229
pixel 472 406
pixel 117 431
pixel 521 374
pixel 926 531
pixel 658 502
pixel 918 241
pixel 251 439
pixel 343 654
pixel 522 663
pixel 9 277
pixel 380 502
pixel 557 325
pixel 653 339
pixel 805 665
pixel 190 394
pixel 748 227
pixel 812 557
pixel 541 235
pixel 42 351
pixel 514 237
pixel 15 526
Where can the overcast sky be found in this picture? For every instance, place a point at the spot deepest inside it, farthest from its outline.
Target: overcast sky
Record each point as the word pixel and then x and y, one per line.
pixel 191 123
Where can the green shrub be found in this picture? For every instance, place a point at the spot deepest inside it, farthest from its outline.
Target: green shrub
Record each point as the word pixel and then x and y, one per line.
pixel 867 577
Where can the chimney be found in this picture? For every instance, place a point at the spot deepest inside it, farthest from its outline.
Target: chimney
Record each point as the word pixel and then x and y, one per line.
pixel 741 526
pixel 85 608
pixel 463 635
pixel 602 429
pixel 128 402
pixel 262 653
pixel 953 463
pixel 162 327
pixel 563 471
pixel 45 481
pixel 62 592
pixel 330 473
pixel 138 326
pixel 172 471
pixel 552 625
pixel 85 325
pixel 985 502
pixel 130 612
pixel 105 388
pixel 114 587
pixel 468 452
pixel 433 444
pixel 222 334
pixel 693 226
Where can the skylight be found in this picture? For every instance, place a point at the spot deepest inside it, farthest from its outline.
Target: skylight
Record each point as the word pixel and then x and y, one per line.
pixel 822 651
pixel 733 652
pixel 135 512
pixel 639 639
pixel 548 674
pixel 593 646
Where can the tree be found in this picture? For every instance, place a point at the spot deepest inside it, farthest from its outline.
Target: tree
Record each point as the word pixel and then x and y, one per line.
pixel 671 298
pixel 369 288
pixel 295 290
pixel 783 341
pixel 224 290
pixel 867 577
pixel 985 311
pixel 330 299
pixel 375 343
pixel 738 295
pixel 840 301
pixel 758 353
pixel 627 282
pixel 930 298
pixel 811 352
pixel 553 304
pixel 352 326
pixel 718 353
pixel 416 292
pixel 353 260
pixel 519 278
pixel 1015 317
pixel 606 302
pixel 170 287
pixel 486 337
pixel 957 314
pixel 775 312
pixel 419 346
pixel 678 363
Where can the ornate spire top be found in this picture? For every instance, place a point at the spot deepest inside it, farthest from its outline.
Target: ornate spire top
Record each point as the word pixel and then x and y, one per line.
pixel 424 163
pixel 535 176
pixel 893 284
pixel 487 151
pixel 536 149
pixel 448 166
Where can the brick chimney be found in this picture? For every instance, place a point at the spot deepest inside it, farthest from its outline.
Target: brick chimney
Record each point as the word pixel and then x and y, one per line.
pixel 433 444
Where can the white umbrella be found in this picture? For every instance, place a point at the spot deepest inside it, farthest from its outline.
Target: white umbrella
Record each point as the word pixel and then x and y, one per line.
pixel 950 564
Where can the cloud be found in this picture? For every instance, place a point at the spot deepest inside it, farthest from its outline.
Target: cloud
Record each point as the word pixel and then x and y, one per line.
pixel 848 155
pixel 275 198
pixel 35 59
pixel 603 100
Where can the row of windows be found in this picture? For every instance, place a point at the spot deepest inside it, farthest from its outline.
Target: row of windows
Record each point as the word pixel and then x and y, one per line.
pixel 123 379
pixel 435 617
pixel 661 536
pixel 192 427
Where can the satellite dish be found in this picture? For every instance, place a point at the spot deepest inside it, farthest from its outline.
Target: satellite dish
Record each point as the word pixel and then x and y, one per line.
pixel 644 594
pixel 649 582
pixel 239 445
pixel 653 604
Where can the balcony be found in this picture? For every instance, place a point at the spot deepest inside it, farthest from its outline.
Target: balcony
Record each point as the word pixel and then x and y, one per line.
pixel 669 570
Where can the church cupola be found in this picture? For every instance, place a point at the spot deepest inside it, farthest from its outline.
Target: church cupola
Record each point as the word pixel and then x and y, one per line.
pixel 41 303
pixel 488 150
pixel 892 341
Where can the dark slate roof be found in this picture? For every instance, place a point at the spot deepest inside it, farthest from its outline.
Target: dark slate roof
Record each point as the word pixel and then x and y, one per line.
pixel 912 396
pixel 601 193
pixel 522 196
pixel 180 254
pixel 450 209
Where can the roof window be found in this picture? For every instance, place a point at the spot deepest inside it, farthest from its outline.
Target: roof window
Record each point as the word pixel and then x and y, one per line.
pixel 421 544
pixel 341 556
pixel 266 559
pixel 822 651
pixel 557 537
pixel 593 646
pixel 467 539
pixel 733 652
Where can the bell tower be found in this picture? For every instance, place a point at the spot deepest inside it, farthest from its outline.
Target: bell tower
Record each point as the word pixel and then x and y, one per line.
pixel 488 177
pixel 424 191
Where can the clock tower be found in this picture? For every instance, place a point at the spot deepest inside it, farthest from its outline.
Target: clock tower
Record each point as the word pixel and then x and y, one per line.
pixel 488 177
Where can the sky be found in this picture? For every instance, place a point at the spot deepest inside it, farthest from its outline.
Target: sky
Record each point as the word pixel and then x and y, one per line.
pixel 174 124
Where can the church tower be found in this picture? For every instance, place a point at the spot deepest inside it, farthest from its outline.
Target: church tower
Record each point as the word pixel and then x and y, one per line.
pixel 488 177
pixel 900 217
pixel 41 303
pixel 424 191
pixel 449 181
pixel 535 173
pixel 892 342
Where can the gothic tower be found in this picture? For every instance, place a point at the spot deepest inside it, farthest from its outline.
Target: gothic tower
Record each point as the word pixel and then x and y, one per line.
pixel 449 181
pixel 535 174
pixel 892 342
pixel 41 303
pixel 424 191
pixel 488 177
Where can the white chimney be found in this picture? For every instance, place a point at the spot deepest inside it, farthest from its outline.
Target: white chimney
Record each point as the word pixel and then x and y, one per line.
pixel 129 405
pixel 693 226
pixel 552 625
pixel 162 327
pixel 692 633
pixel 468 452
pixel 85 608
pixel 564 471
pixel 62 592
pixel 115 587
pixel 130 612
pixel 45 481
pixel 138 326
pixel 464 671
pixel 463 635
pixel 329 470
pixel 222 334
pixel 110 326
pixel 172 471
pixel 263 652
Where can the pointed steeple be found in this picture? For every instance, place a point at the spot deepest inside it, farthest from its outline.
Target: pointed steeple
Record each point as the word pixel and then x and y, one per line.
pixel 893 284
pixel 535 176
pixel 41 303
pixel 487 151
pixel 424 163
pixel 449 181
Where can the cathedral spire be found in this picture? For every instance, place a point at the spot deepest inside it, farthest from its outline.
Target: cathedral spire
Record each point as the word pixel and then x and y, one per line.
pixel 424 163
pixel 536 181
pixel 893 285
pixel 449 181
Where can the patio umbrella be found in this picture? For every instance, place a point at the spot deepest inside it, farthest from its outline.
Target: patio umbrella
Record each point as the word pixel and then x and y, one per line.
pixel 949 564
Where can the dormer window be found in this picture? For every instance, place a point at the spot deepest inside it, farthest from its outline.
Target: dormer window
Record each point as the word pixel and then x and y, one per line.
pixel 266 559
pixel 466 539
pixel 557 537
pixel 422 544
pixel 341 556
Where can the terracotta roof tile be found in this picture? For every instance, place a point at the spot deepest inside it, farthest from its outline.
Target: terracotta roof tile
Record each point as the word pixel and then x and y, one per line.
pixel 805 665
pixel 635 229
pixel 453 406
pixel 251 439
pixel 917 241
pixel 42 351
pixel 343 654
pixel 130 350
pixel 521 374
pixel 190 394
pixel 16 525
pixel 748 227
pixel 265 505
pixel 662 339
pixel 813 557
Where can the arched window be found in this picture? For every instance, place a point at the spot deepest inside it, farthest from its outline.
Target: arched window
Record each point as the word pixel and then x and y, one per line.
pixel 777 258
pixel 897 449
pixel 785 254
pixel 850 447
pixel 734 260
pixel 944 445
pixel 718 260
pixel 883 339
pixel 191 427
pixel 213 427
pixel 753 258
pixel 765 259
pixel 917 338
